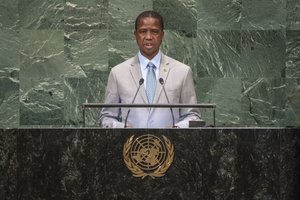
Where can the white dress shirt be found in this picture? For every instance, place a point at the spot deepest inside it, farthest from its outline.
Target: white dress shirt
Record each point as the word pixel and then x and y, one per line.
pixel 144 62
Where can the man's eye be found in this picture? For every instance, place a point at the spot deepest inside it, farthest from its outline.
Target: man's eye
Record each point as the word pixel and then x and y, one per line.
pixel 155 32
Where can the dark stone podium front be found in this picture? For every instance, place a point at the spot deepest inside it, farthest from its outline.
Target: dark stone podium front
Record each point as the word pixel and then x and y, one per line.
pixel 209 164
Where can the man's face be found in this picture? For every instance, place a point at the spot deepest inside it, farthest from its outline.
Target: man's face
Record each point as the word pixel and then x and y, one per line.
pixel 149 36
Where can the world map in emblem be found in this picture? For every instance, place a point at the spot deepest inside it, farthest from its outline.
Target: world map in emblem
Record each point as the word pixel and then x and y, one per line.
pixel 148 155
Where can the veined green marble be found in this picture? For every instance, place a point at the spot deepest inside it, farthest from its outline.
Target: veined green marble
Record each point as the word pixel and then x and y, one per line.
pixel 292 106
pixel 36 14
pixel 263 53
pixel 219 15
pixel 186 24
pixel 43 103
pixel 41 55
pixel 292 61
pixel 122 46
pixel 271 102
pixel 293 14
pixel 9 78
pixel 122 13
pixel 9 103
pixel 9 14
pixel 210 54
pixel 263 15
pixel 88 50
pixel 86 14
pixel 56 55
pixel 83 90
pixel 226 92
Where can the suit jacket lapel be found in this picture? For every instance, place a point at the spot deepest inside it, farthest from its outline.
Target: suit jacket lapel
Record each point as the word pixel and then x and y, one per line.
pixel 137 75
pixel 164 69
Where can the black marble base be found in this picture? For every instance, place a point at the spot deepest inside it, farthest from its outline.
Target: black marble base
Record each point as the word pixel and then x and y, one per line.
pixel 209 164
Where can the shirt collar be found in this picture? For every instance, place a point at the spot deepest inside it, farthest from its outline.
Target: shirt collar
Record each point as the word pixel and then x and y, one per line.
pixel 144 61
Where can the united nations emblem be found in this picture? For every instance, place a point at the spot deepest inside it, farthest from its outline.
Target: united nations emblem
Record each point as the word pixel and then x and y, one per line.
pixel 148 155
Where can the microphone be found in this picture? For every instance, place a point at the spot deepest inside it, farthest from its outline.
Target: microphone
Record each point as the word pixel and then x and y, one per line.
pixel 141 81
pixel 162 82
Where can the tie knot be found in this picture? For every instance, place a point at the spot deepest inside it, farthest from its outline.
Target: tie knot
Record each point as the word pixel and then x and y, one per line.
pixel 151 65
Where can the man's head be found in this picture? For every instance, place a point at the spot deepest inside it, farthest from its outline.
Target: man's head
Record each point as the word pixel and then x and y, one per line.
pixel 152 14
pixel 149 32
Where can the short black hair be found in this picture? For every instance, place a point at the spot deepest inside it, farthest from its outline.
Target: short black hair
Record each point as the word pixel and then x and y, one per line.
pixel 150 13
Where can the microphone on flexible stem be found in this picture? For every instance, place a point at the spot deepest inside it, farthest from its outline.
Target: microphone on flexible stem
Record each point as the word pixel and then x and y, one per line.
pixel 162 82
pixel 141 81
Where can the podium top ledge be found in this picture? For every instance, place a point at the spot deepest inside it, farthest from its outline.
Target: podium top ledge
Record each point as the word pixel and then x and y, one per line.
pixel 123 105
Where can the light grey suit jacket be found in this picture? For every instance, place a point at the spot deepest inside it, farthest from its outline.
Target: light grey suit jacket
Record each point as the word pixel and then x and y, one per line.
pixel 123 83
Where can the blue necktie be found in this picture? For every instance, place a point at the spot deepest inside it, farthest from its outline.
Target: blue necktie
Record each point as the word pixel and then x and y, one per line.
pixel 151 82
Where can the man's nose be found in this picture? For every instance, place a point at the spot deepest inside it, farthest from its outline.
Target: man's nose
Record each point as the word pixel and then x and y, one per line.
pixel 148 35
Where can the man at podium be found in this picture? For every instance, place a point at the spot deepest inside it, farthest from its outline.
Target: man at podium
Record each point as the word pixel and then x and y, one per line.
pixel 150 77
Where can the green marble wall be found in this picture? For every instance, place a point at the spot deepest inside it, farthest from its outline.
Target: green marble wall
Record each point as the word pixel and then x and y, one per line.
pixel 56 55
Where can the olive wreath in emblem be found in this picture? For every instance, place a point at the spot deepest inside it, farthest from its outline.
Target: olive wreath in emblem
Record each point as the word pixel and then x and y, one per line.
pixel 148 155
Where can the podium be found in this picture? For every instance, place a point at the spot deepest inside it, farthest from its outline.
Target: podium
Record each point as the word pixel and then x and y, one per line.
pixel 209 163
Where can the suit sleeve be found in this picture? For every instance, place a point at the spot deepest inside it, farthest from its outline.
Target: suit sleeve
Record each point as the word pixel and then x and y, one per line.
pixel 188 96
pixel 110 117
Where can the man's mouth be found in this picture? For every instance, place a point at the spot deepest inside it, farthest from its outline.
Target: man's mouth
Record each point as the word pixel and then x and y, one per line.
pixel 148 45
